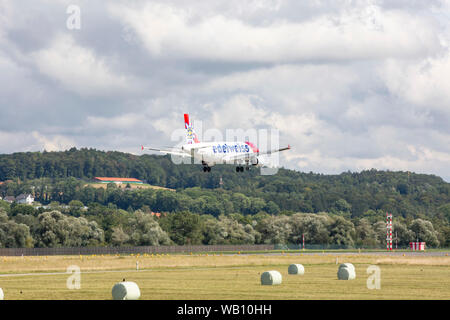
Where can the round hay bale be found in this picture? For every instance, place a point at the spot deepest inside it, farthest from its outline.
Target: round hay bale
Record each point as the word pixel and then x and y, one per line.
pixel 2 296
pixel 126 291
pixel 345 273
pixel 271 278
pixel 296 269
pixel 347 265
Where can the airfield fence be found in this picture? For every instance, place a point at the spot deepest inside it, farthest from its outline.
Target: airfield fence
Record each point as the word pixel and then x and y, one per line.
pixel 131 250
pixel 175 249
pixel 323 247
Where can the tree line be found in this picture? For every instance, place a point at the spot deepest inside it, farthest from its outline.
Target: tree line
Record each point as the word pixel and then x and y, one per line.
pixel 202 200
pixel 25 226
pixel 61 176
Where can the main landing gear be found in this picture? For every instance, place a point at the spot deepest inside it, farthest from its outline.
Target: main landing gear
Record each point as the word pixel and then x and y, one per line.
pixel 206 168
pixel 241 169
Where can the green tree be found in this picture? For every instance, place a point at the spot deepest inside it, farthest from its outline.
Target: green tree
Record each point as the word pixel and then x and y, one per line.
pixel 183 227
pixel 424 231
pixel 12 234
pixel 275 229
pixel 342 206
pixel 76 208
pixel 119 237
pixel 444 210
pixel 225 230
pixel 57 230
pixel 342 232
pixel 379 228
pixel 22 209
pixel 272 208
pixel 314 227
pixel 365 234
pixel 403 234
pixel 142 229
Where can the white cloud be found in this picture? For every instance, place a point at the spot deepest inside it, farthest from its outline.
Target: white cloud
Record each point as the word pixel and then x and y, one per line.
pixel 78 68
pixel 124 121
pixel 349 84
pixel 51 143
pixel 426 161
pixel 7 12
pixel 291 88
pixel 13 141
pixel 22 141
pixel 321 146
pixel 364 32
pixel 424 83
pixel 238 111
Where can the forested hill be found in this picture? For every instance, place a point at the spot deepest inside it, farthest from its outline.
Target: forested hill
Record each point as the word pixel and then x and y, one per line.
pixel 355 194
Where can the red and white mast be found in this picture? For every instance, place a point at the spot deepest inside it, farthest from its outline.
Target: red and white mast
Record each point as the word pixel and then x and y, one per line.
pixel 389 231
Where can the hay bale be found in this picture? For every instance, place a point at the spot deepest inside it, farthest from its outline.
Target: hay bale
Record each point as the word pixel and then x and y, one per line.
pixel 347 265
pixel 2 296
pixel 296 269
pixel 126 291
pixel 346 272
pixel 271 278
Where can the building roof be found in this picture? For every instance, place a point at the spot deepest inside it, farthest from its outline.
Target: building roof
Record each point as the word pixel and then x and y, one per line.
pixel 23 196
pixel 117 179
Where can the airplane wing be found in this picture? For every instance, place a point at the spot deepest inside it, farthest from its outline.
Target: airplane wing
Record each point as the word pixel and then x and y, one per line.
pixel 174 151
pixel 274 151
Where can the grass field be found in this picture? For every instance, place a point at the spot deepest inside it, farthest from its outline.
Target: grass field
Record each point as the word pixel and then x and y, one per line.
pixel 224 277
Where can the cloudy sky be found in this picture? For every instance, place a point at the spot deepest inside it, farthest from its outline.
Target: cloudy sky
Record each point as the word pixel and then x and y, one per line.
pixel 351 85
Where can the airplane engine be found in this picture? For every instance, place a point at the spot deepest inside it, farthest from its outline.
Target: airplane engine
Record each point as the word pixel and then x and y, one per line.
pixel 255 162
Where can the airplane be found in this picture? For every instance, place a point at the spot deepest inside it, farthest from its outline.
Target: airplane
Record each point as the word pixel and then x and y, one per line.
pixel 241 154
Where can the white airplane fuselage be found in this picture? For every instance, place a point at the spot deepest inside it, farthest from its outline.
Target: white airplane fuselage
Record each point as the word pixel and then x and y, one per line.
pixel 223 152
pixel 239 153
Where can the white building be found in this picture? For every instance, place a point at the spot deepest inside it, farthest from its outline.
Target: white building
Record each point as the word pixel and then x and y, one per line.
pixel 25 198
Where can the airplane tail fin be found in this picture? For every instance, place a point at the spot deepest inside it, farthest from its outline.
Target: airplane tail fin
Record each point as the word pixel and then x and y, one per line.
pixel 191 136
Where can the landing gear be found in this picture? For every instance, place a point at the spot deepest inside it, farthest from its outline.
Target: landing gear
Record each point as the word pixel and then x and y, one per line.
pixel 240 169
pixel 206 168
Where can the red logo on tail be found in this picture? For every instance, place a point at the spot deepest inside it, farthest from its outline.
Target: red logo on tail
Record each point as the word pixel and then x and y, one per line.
pixel 186 120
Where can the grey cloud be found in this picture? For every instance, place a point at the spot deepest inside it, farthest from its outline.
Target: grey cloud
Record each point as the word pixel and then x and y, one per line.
pixel 340 109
